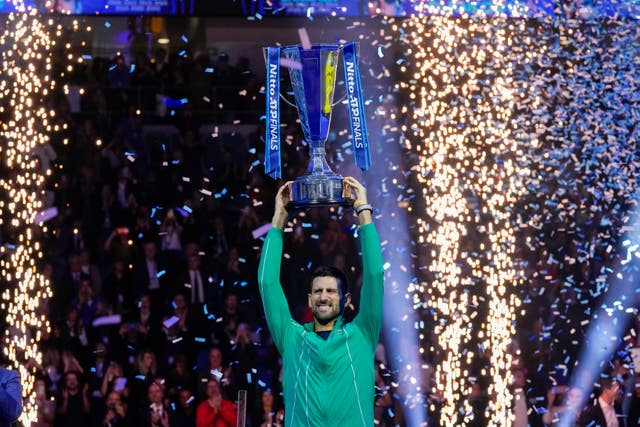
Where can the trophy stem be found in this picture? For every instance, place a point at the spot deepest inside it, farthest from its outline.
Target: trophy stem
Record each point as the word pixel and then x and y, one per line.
pixel 318 161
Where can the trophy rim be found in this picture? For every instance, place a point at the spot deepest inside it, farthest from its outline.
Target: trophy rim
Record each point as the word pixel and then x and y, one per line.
pixel 314 46
pixel 337 46
pixel 306 203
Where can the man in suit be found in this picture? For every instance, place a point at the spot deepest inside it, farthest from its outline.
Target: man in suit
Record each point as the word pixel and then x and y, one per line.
pixel 603 411
pixel 151 276
pixel 10 397
pixel 156 413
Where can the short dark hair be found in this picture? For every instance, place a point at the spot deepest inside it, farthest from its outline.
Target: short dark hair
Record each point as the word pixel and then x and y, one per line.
pixel 606 382
pixel 327 271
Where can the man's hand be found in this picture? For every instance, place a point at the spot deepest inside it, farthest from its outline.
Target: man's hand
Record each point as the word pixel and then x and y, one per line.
pixel 280 214
pixel 351 188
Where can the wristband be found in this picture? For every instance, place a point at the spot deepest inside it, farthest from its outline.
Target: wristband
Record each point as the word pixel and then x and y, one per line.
pixel 364 207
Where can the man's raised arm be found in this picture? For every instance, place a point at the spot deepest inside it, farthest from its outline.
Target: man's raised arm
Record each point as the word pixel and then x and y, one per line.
pixel 275 304
pixel 369 316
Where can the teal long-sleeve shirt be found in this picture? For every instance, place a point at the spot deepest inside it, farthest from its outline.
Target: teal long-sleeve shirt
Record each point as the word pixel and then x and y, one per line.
pixel 326 383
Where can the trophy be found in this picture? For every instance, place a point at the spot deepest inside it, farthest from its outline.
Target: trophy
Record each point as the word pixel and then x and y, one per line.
pixel 312 71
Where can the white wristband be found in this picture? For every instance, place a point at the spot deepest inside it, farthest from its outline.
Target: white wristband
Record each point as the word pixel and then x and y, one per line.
pixel 364 207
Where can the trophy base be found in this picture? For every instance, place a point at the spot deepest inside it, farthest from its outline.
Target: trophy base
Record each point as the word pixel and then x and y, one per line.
pixel 317 190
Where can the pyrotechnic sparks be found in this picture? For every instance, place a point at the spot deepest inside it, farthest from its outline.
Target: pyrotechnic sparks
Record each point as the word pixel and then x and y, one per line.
pixel 462 93
pixel 25 82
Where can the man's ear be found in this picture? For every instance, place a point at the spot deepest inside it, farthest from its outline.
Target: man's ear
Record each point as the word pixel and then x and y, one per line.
pixel 346 301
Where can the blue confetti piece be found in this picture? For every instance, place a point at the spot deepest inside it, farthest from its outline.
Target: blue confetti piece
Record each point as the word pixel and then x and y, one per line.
pixel 184 38
pixel 161 273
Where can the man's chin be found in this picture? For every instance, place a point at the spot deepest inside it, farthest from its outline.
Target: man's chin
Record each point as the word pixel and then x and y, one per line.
pixel 324 320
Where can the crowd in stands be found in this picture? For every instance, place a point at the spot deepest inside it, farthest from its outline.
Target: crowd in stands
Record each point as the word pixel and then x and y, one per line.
pixel 155 315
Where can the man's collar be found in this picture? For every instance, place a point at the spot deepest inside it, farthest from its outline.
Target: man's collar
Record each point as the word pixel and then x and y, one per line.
pixel 310 326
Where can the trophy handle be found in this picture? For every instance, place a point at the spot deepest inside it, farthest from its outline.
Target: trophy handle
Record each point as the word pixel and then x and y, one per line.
pixel 287 101
pixel 345 95
pixel 339 100
pixel 292 104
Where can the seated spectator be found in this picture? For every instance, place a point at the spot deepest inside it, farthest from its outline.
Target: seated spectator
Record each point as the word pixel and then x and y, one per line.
pixel 73 402
pixel 118 287
pixel 214 368
pixel 215 411
pixel 604 410
pixel 113 380
pixel 91 270
pixel 154 412
pixel 563 402
pixel 180 377
pixel 143 375
pixel 153 277
pixel 46 405
pixel 115 412
pixel 85 302
pixel 270 411
pixel 185 412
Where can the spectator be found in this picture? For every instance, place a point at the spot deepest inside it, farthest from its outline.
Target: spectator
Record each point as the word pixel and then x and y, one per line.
pixel 73 402
pixel 214 368
pixel 270 412
pixel 604 411
pixel 185 412
pixel 46 405
pixel 116 412
pixel 215 411
pixel 155 413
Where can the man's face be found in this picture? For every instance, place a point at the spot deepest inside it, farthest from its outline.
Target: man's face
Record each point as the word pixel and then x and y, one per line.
pixel 113 399
pixel 324 299
pixel 231 303
pixel 612 393
pixel 215 358
pixel 72 382
pixel 155 393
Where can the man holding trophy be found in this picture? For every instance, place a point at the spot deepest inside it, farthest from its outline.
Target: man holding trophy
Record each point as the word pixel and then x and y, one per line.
pixel 328 364
pixel 328 368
